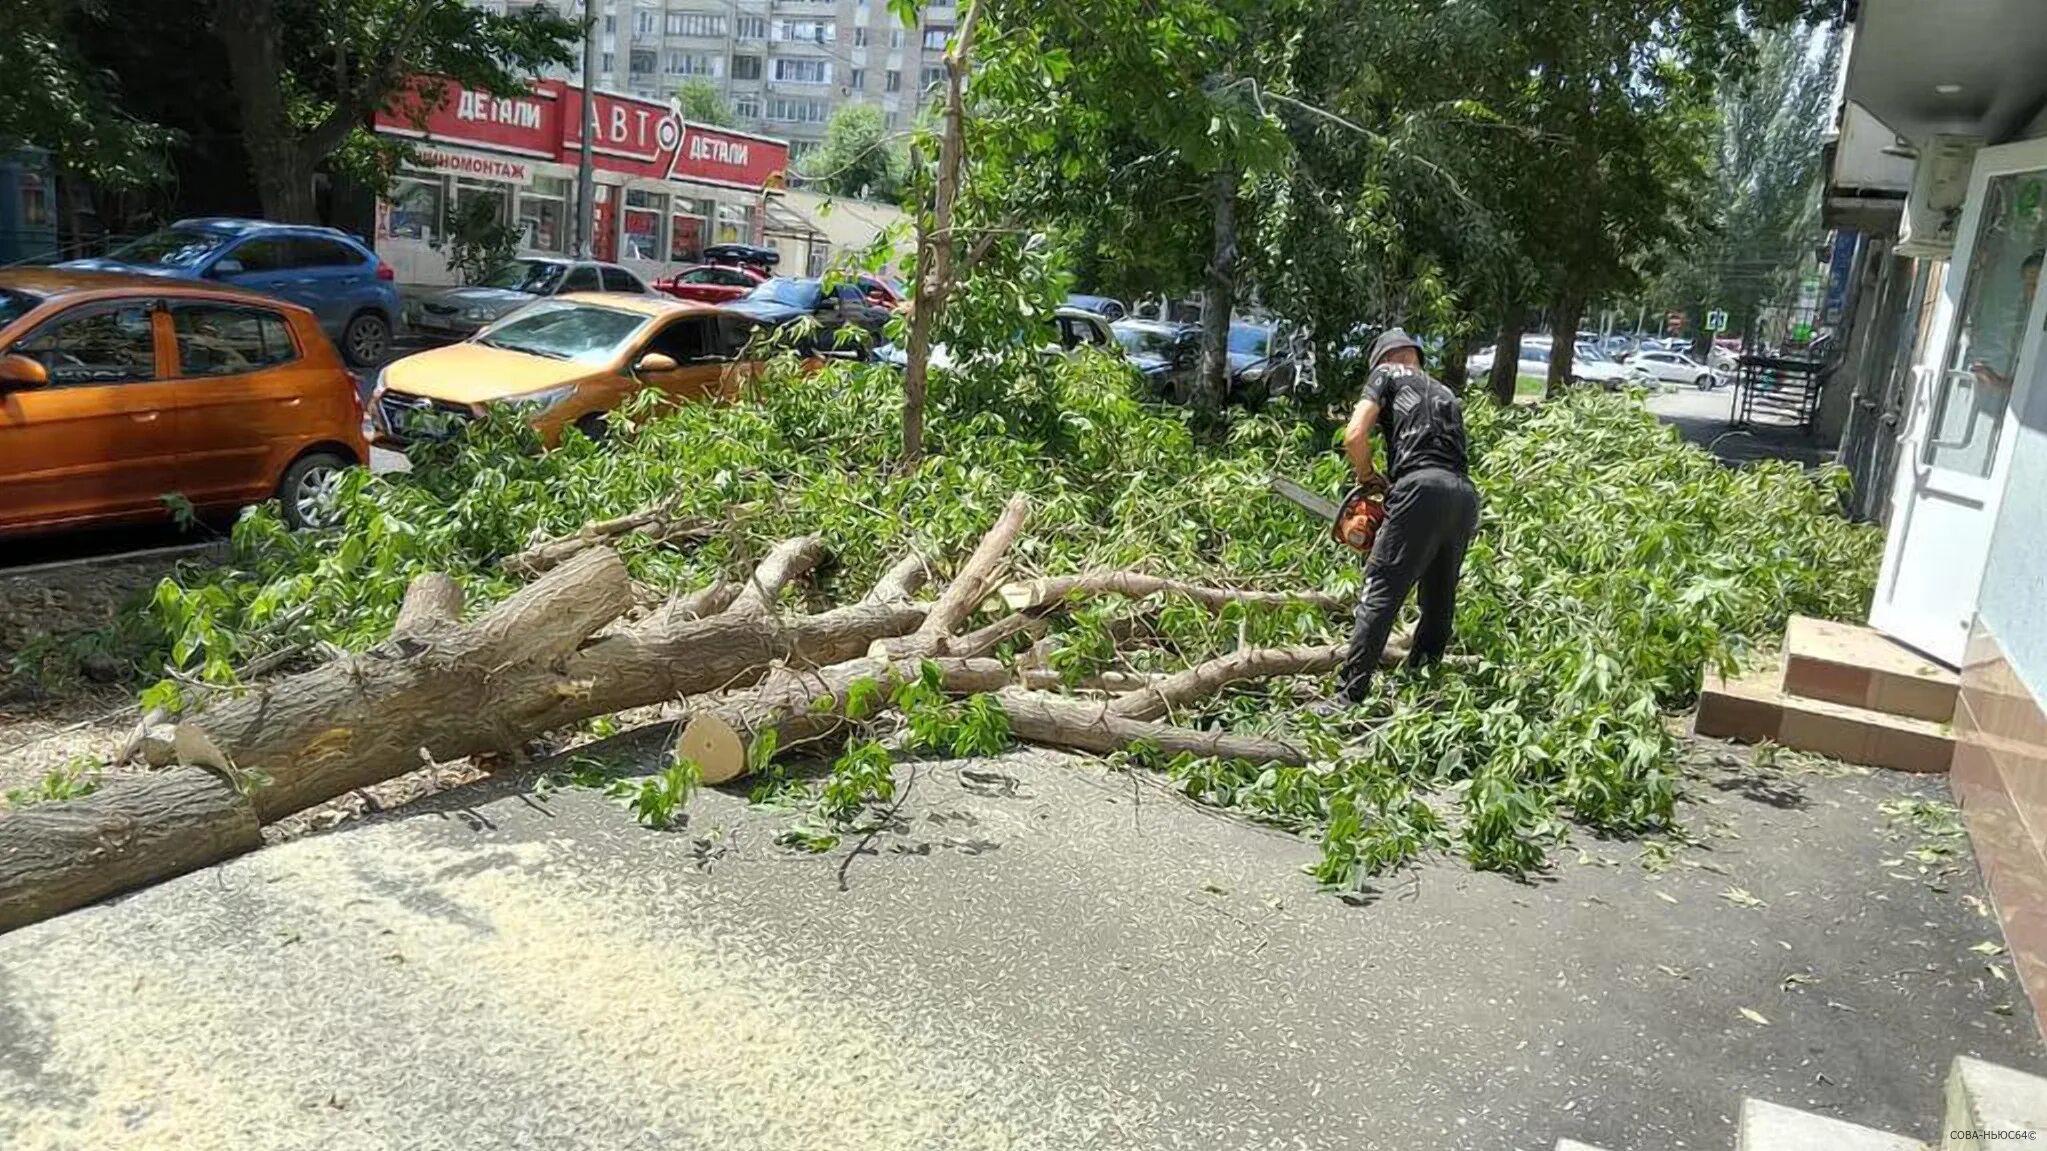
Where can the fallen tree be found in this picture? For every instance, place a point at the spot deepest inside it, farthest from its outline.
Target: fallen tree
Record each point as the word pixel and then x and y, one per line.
pixel 553 654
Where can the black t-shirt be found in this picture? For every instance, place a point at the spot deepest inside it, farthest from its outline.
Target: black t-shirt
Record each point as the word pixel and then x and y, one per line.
pixel 1422 418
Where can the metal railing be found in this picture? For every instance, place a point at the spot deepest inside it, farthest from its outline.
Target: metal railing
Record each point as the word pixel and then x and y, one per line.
pixel 1777 391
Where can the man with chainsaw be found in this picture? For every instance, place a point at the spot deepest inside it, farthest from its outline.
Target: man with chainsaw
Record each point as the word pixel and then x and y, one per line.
pixel 1431 508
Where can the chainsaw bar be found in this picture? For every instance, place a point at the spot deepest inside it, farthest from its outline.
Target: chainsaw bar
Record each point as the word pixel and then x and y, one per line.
pixel 1322 509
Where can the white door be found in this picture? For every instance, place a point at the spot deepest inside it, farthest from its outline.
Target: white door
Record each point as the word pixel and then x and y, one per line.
pixel 1981 358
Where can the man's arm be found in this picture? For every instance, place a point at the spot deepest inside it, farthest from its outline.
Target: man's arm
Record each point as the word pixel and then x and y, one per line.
pixel 1357 440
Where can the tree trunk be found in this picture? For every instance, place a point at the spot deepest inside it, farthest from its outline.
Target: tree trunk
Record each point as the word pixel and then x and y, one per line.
pixel 1137 585
pixel 1457 364
pixel 283 171
pixel 57 856
pixel 1506 374
pixel 1212 386
pixel 1566 311
pixel 935 248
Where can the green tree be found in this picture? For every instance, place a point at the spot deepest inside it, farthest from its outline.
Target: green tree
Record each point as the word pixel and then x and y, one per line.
pixel 1765 175
pixel 859 156
pixel 309 74
pixel 702 103
pixel 57 102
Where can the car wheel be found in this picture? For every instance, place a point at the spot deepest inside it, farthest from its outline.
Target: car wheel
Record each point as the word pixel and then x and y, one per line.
pixel 366 340
pixel 307 489
pixel 1704 383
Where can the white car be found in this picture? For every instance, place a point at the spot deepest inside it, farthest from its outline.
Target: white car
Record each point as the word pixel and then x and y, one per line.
pixel 1589 365
pixel 1673 368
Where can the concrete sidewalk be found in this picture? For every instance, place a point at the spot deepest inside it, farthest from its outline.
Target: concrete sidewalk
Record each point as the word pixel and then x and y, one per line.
pixel 1039 954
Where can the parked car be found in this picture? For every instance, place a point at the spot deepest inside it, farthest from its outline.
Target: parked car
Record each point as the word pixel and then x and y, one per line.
pixel 711 283
pixel 458 313
pixel 1673 367
pixel 116 390
pixel 1589 365
pixel 883 291
pixel 1265 360
pixel 1166 354
pixel 781 301
pixel 352 292
pixel 1073 330
pixel 752 257
pixel 1106 307
pixel 564 362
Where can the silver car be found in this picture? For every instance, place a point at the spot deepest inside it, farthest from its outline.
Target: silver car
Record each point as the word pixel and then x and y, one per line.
pixel 457 313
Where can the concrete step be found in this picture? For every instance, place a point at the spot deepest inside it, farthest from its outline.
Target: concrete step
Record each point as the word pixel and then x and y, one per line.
pixel 1988 1105
pixel 1850 664
pixel 1768 1127
pixel 1754 707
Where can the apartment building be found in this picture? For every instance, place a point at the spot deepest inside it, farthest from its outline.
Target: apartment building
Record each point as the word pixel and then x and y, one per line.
pixel 783 65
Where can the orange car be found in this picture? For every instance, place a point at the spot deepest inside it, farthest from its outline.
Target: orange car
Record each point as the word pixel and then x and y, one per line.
pixel 116 390
pixel 565 362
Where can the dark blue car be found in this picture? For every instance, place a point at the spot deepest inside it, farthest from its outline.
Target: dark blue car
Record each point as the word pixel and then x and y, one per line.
pixel 325 269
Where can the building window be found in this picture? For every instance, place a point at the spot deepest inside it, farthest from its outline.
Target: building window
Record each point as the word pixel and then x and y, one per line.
pixel 610 24
pixel 640 225
pixel 735 223
pixel 889 121
pixel 416 208
pixel 812 31
pixel 784 110
pixel 692 229
pixel 608 64
pixel 930 78
pixel 752 27
pixel 544 215
pixel 643 22
pixel 644 60
pixel 895 38
pixel 747 105
pixel 891 81
pixel 802 71
pixel 746 67
pixel 695 24
pixel 935 38
pixel 859 37
pixel 694 64
pixel 857 79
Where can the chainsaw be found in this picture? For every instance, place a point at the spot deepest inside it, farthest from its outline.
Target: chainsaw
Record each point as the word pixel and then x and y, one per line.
pixel 1354 523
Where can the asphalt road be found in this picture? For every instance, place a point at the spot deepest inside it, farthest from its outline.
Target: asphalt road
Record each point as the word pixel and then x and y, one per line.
pixel 1034 954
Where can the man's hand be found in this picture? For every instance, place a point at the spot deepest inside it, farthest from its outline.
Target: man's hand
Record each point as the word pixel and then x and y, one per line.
pixel 1989 375
pixel 1357 443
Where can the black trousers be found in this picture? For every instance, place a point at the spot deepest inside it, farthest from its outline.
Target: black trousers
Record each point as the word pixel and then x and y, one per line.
pixel 1430 517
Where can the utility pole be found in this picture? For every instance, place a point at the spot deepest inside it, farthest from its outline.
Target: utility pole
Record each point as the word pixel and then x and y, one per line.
pixel 586 169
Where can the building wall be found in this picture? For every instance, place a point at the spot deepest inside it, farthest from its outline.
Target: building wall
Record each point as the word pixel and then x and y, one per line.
pixel 860 54
pixel 2013 604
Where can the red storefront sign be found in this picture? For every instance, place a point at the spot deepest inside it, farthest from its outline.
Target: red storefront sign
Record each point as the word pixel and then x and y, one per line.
pixel 634 137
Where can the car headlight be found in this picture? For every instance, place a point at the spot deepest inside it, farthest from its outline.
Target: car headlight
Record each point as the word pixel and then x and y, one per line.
pixel 534 403
pixel 479 315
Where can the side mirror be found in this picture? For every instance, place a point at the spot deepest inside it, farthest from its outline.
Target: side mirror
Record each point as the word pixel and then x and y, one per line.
pixel 224 268
pixel 654 363
pixel 17 372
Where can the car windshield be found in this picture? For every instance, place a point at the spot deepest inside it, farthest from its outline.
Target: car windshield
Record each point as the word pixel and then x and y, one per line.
pixel 171 248
pixel 1249 339
pixel 534 277
pixel 1588 352
pixel 563 331
pixel 789 293
pixel 14 305
pixel 1144 341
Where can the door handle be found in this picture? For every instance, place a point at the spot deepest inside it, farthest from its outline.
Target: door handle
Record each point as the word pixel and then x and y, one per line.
pixel 144 417
pixel 290 401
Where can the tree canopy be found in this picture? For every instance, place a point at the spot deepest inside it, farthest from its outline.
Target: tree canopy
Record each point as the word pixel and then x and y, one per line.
pixel 702 103
pixel 860 157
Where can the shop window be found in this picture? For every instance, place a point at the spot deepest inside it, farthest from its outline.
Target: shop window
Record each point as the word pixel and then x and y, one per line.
pixel 640 225
pixel 691 229
pixel 544 215
pixel 500 195
pixel 735 223
pixel 415 209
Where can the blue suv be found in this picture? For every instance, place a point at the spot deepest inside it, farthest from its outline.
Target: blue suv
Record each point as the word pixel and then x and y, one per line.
pixel 325 269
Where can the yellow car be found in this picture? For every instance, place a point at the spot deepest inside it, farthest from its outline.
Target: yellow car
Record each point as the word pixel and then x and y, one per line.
pixel 564 362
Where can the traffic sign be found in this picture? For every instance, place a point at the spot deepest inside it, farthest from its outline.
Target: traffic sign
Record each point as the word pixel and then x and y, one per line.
pixel 1716 321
